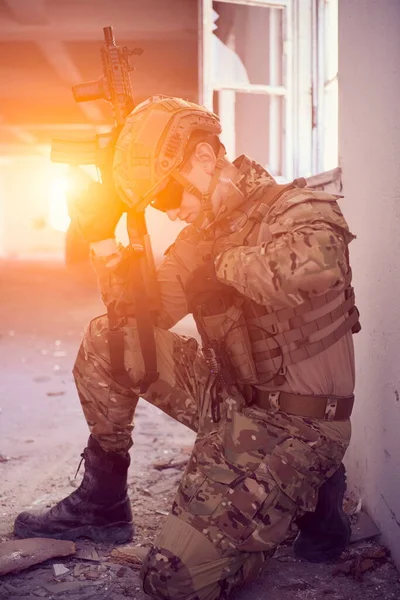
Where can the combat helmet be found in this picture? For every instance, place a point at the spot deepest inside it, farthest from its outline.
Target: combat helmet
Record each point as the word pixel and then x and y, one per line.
pixel 150 149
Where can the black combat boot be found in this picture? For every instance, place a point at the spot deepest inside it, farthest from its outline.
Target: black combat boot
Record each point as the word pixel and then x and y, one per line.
pixel 325 533
pixel 99 509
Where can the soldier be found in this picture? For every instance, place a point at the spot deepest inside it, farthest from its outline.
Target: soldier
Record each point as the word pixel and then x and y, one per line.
pixel 264 270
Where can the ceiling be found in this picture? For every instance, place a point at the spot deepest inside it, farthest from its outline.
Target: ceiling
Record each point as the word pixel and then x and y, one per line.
pixel 46 46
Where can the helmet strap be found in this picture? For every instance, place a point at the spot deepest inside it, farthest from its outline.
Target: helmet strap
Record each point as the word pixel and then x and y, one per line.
pixel 206 211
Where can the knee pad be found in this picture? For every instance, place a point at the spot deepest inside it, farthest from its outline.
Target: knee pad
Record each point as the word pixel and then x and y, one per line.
pixel 165 576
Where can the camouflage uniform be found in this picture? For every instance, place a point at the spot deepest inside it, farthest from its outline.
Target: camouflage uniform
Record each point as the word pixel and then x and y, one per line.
pixel 251 472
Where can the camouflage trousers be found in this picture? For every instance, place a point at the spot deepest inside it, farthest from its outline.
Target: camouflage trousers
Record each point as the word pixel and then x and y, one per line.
pixel 247 477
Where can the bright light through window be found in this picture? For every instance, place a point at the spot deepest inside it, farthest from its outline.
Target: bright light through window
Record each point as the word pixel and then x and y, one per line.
pixel 58 211
pixel 65 184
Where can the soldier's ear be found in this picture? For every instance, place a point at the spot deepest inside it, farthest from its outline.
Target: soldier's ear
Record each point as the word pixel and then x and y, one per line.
pixel 204 157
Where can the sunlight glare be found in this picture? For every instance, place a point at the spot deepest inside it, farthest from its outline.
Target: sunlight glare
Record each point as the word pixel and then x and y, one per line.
pixel 66 181
pixel 58 210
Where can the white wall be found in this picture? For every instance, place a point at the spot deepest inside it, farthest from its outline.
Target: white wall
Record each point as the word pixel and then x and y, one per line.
pixel 369 101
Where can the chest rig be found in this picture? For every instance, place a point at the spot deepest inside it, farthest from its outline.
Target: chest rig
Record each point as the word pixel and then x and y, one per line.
pixel 256 341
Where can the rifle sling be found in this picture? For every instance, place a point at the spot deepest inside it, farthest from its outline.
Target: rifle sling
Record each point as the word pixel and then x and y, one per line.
pixel 144 323
pixel 116 348
pixel 145 332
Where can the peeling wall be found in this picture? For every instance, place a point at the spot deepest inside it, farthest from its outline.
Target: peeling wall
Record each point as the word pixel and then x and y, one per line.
pixel 369 105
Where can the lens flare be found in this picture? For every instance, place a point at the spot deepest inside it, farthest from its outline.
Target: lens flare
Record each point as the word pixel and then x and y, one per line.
pixel 66 184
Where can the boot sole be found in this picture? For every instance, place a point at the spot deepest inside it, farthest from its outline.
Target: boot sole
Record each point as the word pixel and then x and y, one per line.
pixel 305 547
pixel 116 533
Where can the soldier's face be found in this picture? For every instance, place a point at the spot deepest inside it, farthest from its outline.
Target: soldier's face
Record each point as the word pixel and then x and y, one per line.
pixel 188 210
pixel 197 171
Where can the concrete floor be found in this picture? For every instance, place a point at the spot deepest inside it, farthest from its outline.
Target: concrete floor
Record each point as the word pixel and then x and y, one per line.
pixel 43 310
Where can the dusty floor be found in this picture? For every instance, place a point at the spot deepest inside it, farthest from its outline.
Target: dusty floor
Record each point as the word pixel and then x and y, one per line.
pixel 43 310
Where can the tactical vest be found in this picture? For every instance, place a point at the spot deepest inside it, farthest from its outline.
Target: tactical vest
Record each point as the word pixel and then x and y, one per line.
pixel 260 343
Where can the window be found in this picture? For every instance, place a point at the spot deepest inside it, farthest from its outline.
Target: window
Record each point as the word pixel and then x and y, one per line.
pixel 269 69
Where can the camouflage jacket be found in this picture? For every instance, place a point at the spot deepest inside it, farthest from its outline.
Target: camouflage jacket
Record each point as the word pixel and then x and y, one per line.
pixel 277 254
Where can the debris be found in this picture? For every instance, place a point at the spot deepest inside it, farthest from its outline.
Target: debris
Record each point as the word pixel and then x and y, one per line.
pixel 115 566
pixel 126 554
pixel 41 379
pixel 369 558
pixel 178 464
pixel 363 528
pixel 91 574
pixel 165 513
pixel 55 393
pixel 3 458
pixel 295 586
pixel 352 503
pixel 68 586
pixel 87 552
pixel 59 570
pixel 376 552
pixel 80 569
pixel 16 555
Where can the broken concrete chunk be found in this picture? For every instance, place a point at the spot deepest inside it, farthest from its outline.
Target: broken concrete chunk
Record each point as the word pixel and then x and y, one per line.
pixel 87 552
pixel 59 569
pixel 79 569
pixel 16 555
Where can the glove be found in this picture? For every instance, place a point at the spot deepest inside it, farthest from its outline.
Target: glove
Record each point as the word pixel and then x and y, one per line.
pixel 203 287
pixel 97 212
pixel 232 240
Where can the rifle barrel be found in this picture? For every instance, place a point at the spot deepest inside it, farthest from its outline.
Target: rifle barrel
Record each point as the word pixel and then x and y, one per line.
pixel 108 35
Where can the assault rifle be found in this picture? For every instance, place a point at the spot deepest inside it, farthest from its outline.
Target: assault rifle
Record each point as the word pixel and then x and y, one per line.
pixel 114 86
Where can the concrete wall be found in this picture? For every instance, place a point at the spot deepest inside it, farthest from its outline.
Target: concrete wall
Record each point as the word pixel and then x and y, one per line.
pixel 369 100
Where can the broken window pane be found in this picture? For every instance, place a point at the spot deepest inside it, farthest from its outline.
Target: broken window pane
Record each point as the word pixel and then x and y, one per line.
pixel 247 45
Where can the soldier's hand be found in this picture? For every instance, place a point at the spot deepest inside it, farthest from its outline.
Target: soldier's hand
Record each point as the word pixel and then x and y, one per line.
pixel 97 212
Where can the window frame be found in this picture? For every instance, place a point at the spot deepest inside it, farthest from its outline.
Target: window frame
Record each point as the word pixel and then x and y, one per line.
pixel 207 88
pixel 304 79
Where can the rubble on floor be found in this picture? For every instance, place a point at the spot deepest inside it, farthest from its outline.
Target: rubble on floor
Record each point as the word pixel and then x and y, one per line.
pixel 17 555
pixel 103 572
